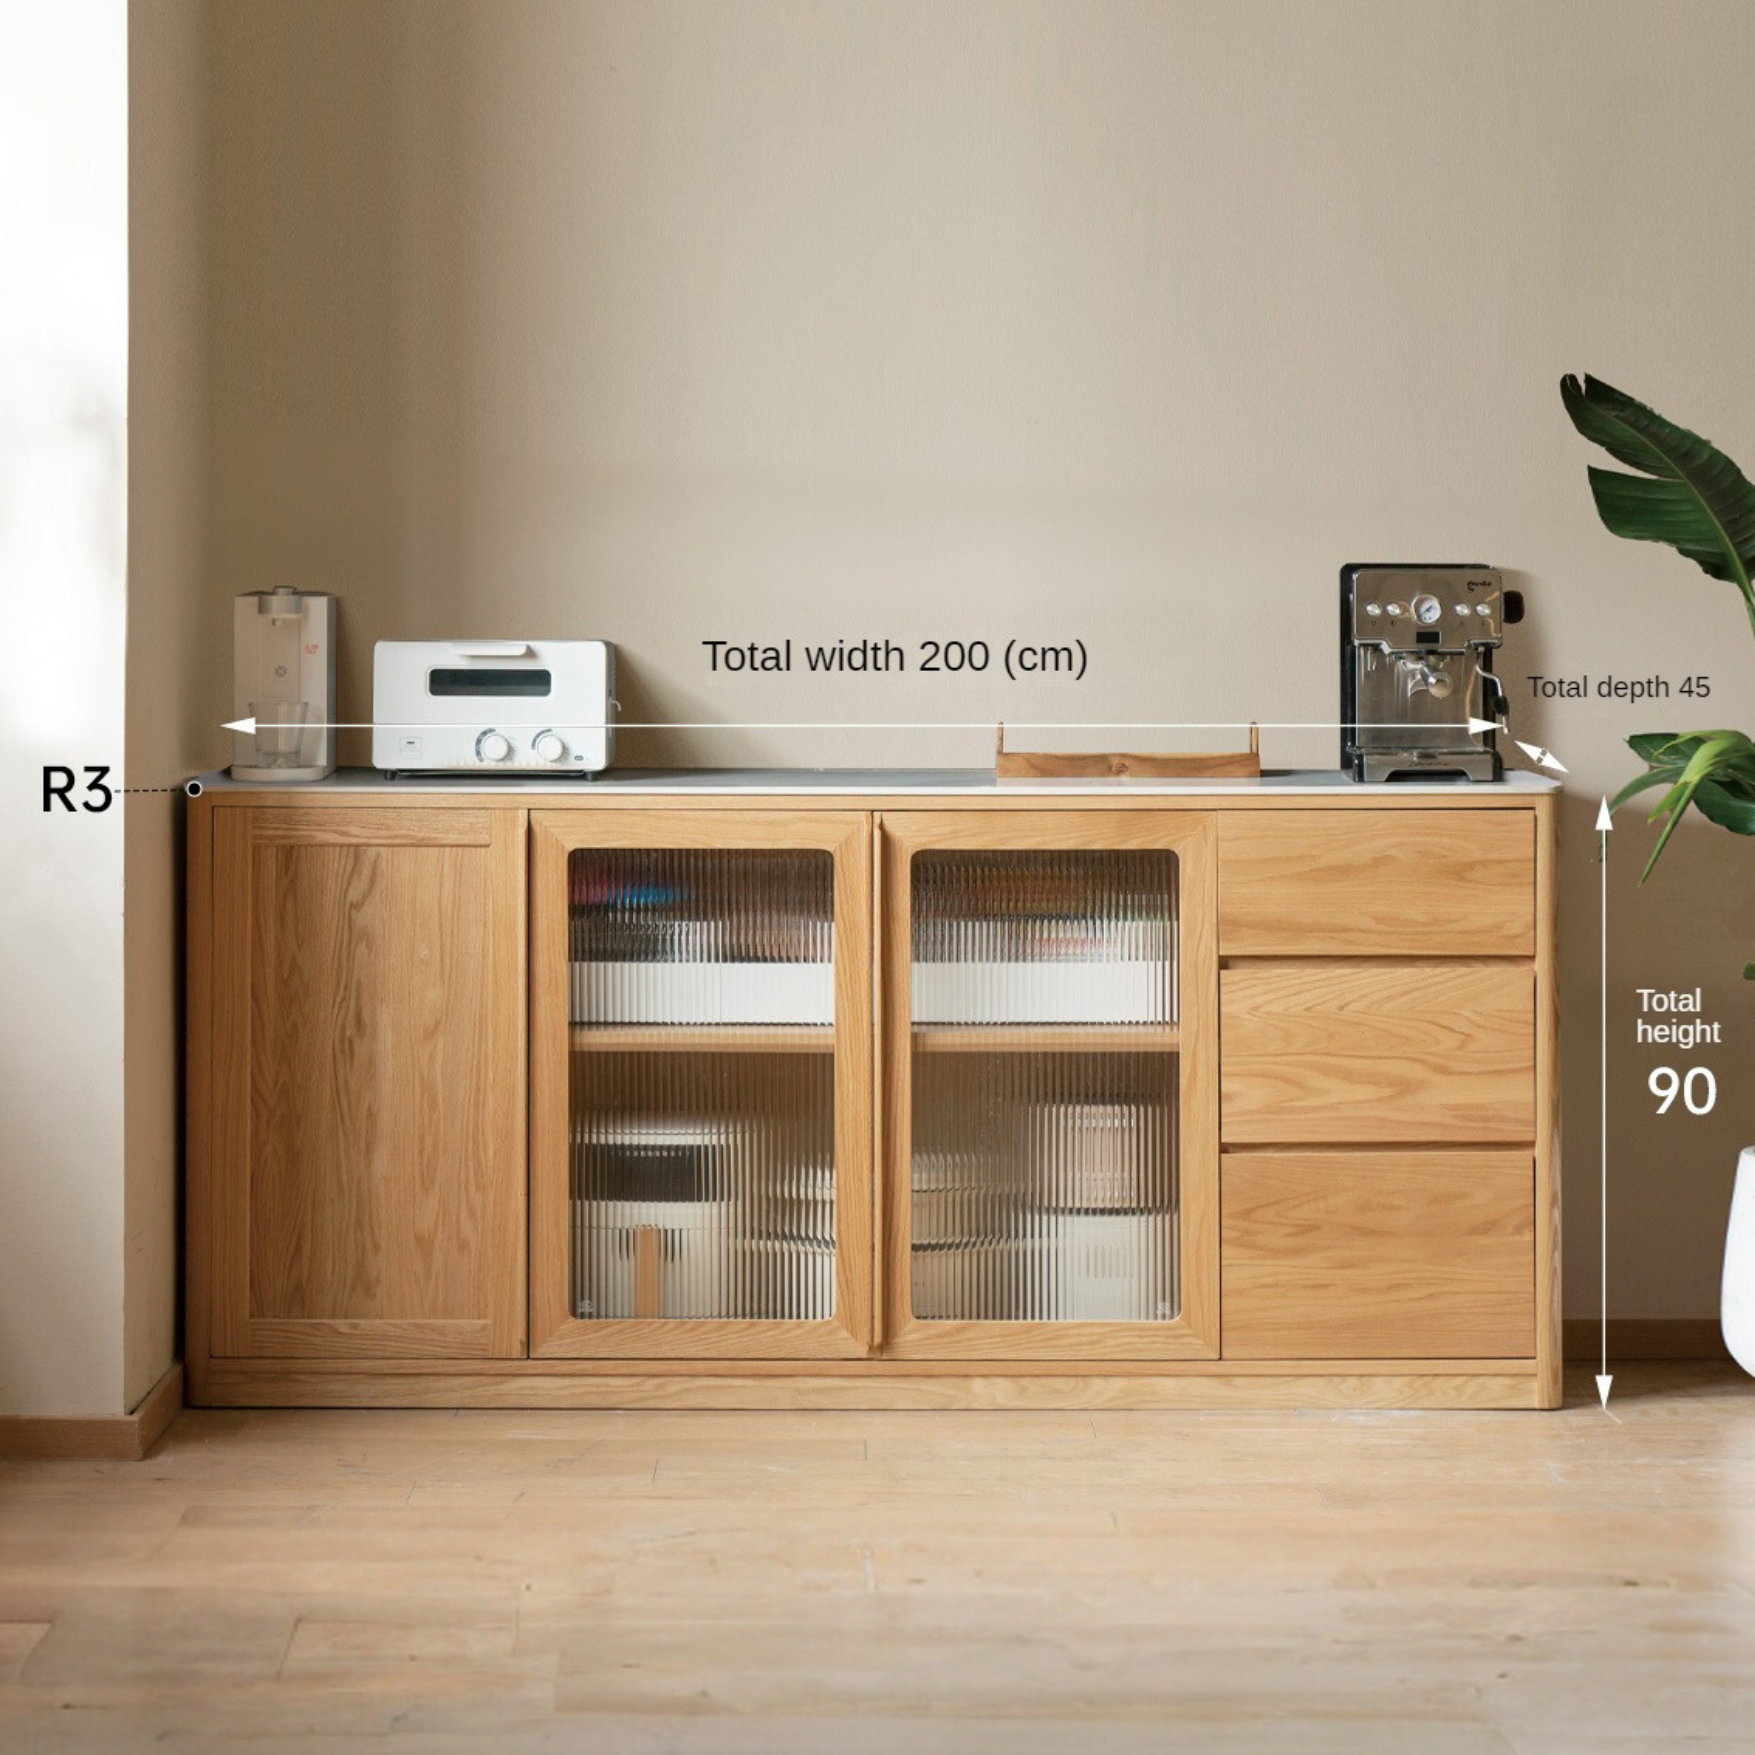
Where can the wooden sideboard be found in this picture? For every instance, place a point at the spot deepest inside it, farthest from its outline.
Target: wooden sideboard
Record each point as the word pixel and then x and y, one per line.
pixel 873 1090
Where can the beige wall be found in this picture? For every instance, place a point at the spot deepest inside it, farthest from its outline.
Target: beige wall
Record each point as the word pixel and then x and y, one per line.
pixel 63 484
pixel 668 322
pixel 169 734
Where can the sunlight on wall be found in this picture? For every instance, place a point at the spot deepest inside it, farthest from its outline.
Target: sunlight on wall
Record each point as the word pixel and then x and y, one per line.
pixel 63 473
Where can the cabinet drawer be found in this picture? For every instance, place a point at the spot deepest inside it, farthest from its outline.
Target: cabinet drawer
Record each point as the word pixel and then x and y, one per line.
pixel 1389 883
pixel 1359 1053
pixel 1378 1255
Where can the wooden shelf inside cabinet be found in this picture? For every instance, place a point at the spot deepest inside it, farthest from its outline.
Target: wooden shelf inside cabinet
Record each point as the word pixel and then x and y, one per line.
pixel 1047 1038
pixel 703 1038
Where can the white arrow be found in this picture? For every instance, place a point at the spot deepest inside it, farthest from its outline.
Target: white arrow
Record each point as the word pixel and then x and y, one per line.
pixel 249 727
pixel 1546 758
pixel 1605 822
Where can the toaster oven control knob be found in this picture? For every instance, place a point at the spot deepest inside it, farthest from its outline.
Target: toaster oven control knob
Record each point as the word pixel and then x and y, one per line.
pixel 492 746
pixel 1427 610
pixel 549 747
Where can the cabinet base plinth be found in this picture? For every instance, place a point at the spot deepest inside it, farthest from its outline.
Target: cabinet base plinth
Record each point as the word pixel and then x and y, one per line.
pixel 1432 1384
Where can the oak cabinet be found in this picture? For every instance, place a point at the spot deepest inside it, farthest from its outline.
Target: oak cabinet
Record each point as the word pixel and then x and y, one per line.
pixel 714 1097
pixel 367 1053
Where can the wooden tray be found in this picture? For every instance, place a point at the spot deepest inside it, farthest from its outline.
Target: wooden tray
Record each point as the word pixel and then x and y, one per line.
pixel 1119 765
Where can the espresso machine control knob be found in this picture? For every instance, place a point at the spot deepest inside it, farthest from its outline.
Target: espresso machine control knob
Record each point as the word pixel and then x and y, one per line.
pixel 548 747
pixel 492 746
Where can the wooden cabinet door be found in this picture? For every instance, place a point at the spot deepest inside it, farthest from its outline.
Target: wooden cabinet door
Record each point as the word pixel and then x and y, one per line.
pixel 701 1071
pixel 368 1076
pixel 1051 1071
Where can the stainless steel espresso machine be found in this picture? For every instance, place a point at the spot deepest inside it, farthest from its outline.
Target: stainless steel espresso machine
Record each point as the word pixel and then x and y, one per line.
pixel 1417 647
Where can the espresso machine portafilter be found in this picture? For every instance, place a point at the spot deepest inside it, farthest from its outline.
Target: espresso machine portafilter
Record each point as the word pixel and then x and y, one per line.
pixel 1417 644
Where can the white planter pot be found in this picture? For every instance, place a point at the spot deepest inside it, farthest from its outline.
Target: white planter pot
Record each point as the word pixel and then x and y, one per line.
pixel 1737 1294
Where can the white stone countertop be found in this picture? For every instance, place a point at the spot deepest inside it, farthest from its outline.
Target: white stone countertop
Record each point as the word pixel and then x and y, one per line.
pixel 851 782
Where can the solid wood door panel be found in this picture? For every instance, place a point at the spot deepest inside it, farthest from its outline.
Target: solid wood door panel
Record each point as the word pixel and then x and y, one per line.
pixel 1378 1255
pixel 1402 883
pixel 1353 1053
pixel 369 1050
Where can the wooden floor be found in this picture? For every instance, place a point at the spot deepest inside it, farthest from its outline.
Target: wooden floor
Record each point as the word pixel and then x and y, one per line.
pixel 1416 1583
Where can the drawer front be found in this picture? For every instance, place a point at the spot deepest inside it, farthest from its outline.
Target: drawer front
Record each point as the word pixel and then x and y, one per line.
pixel 1378 1255
pixel 1361 1053
pixel 1385 883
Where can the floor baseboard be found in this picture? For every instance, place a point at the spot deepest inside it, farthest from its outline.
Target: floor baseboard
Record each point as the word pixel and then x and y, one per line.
pixel 113 1438
pixel 131 1437
pixel 1645 1337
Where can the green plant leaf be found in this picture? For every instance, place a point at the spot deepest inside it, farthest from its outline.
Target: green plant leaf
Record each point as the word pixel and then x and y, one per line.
pixel 1649 746
pixel 1688 493
pixel 1715 753
pixel 1724 807
pixel 1643 783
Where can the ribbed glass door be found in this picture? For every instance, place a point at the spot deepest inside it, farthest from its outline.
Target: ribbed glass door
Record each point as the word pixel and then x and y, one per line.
pixel 1045 1060
pixel 702 1029
pixel 714 1186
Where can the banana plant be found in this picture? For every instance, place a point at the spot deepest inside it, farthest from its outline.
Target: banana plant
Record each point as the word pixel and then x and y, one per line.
pixel 1685 492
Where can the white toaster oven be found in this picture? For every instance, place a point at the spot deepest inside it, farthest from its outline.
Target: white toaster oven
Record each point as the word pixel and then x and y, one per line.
pixel 483 706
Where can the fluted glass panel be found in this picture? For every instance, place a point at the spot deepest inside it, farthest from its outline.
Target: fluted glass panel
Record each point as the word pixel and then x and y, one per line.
pixel 1045 1187
pixel 701 936
pixel 703 1175
pixel 704 1186
pixel 1045 1177
pixel 1045 937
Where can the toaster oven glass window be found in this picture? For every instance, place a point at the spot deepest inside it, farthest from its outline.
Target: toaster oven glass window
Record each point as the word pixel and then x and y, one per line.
pixel 702 993
pixel 1044 1178
pixel 489 682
